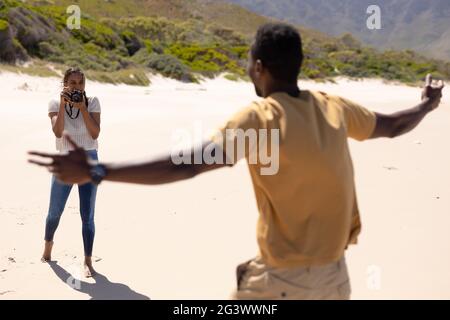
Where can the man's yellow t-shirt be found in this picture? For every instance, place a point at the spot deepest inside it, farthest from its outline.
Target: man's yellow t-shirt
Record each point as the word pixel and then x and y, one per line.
pixel 308 210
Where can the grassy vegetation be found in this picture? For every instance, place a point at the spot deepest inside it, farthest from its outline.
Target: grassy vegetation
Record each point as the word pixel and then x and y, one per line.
pixel 223 14
pixel 38 68
pixel 3 25
pixel 352 60
pixel 135 77
pixel 183 43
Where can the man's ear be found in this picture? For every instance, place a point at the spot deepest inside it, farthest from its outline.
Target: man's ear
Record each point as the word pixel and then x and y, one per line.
pixel 259 67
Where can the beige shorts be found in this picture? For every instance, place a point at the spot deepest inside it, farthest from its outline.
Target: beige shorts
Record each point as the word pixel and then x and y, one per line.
pixel 257 281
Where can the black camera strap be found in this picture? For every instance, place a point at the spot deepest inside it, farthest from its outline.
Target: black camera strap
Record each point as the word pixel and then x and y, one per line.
pixel 70 110
pixel 86 100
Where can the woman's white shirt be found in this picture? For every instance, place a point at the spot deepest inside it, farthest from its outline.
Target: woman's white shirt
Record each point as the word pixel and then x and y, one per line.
pixel 76 128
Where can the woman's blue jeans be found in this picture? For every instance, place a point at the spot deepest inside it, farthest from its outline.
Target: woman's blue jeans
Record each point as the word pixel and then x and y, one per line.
pixel 58 199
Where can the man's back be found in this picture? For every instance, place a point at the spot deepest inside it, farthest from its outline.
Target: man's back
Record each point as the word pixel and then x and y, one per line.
pixel 308 209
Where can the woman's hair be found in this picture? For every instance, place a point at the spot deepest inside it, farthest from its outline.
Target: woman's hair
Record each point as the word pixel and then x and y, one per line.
pixel 70 72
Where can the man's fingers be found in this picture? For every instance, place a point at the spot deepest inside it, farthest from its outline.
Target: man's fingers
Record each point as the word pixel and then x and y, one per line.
pixel 429 80
pixel 51 167
pixel 44 154
pixel 441 84
pixel 39 163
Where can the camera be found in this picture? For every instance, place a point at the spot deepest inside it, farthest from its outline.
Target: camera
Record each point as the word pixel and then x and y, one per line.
pixel 76 96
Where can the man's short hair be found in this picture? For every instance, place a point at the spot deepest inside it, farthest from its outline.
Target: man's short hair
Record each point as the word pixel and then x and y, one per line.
pixel 279 47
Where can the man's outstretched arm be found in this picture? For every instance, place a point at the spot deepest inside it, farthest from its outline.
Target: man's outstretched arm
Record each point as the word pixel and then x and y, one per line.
pixel 160 171
pixel 74 167
pixel 397 124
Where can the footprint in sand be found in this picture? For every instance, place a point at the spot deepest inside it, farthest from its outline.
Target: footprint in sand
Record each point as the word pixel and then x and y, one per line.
pixel 24 87
pixel 390 168
pixel 10 259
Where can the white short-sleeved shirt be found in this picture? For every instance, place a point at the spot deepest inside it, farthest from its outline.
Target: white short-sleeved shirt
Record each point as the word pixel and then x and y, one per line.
pixel 76 128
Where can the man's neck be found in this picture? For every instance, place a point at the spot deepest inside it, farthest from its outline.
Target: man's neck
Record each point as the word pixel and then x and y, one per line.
pixel 291 89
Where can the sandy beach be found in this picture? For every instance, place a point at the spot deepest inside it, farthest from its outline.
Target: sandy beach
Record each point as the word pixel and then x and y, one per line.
pixel 184 240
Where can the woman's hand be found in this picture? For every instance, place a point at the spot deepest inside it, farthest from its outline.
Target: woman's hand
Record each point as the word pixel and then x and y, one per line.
pixel 65 96
pixel 80 105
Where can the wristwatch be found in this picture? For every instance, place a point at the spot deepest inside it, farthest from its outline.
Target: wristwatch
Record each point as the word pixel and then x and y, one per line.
pixel 98 173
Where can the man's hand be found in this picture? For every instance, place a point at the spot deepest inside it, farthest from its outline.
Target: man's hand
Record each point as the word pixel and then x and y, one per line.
pixel 71 168
pixel 397 124
pixel 432 92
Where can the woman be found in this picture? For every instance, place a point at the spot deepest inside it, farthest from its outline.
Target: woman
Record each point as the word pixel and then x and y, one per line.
pixel 79 116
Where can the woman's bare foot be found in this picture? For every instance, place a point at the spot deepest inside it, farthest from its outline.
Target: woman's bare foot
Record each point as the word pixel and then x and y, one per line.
pixel 47 255
pixel 89 271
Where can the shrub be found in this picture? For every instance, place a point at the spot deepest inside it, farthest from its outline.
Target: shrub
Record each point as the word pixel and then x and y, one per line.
pixel 170 66
pixel 3 25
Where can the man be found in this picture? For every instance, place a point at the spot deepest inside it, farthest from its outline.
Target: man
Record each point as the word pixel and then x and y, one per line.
pixel 308 207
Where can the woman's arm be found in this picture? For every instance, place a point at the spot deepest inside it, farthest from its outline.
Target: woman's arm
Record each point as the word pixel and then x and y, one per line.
pixel 57 119
pixel 92 121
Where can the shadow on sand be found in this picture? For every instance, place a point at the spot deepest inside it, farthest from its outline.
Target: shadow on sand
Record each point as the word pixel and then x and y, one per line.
pixel 102 289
